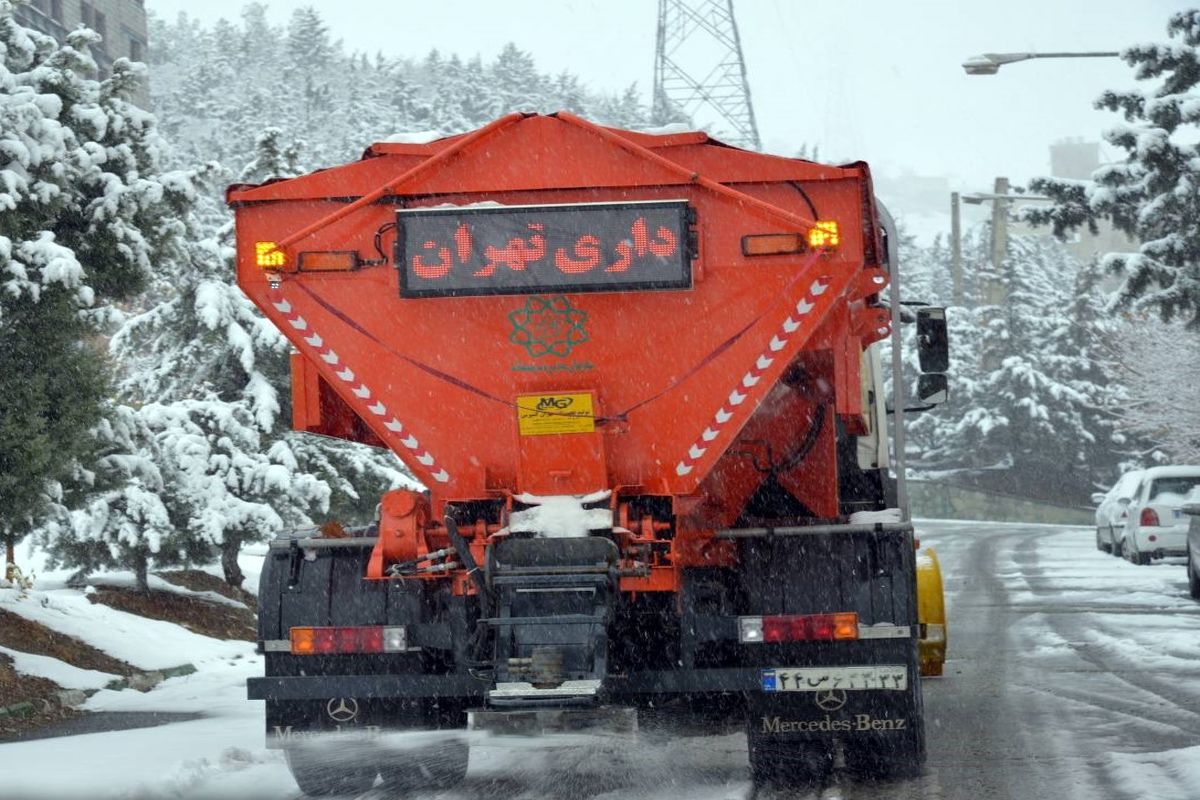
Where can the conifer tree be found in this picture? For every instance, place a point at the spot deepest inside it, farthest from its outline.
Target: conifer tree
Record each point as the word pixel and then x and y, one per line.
pixel 1154 195
pixel 87 210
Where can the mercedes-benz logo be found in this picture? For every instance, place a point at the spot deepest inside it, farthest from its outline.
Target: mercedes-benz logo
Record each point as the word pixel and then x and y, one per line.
pixel 830 699
pixel 342 709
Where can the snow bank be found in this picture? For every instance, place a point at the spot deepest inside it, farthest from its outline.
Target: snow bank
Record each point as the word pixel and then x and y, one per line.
pixel 62 673
pixel 145 643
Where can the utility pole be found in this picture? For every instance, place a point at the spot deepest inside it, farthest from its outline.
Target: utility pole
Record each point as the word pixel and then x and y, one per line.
pixel 995 293
pixel 699 66
pixel 956 268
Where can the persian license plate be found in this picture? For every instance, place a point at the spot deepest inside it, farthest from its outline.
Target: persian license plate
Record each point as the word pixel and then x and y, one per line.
pixel 823 679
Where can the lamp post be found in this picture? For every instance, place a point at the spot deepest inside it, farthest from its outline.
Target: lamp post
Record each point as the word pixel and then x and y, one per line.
pixel 990 63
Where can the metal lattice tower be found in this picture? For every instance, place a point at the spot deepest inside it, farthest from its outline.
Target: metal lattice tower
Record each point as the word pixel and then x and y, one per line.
pixel 699 66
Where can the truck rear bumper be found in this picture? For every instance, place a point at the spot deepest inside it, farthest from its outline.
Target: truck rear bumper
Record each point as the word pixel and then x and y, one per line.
pixel 678 682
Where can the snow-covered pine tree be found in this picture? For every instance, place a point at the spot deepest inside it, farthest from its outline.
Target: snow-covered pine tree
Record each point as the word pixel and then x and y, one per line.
pixel 87 209
pixel 1155 194
pixel 117 517
pixel 209 368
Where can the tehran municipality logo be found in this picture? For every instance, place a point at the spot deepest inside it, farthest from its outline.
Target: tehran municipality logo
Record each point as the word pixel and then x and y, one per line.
pixel 548 325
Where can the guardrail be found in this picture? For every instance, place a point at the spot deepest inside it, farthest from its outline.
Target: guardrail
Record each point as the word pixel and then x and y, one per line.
pixel 946 500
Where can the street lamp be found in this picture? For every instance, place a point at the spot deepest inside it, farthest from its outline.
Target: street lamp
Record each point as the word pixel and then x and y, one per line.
pixel 990 63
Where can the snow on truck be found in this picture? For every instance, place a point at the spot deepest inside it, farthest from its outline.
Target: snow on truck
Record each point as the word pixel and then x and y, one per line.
pixel 640 376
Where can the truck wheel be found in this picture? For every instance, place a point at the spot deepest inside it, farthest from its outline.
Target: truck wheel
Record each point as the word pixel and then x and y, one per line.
pixel 788 763
pixel 1193 578
pixel 322 776
pixel 1102 545
pixel 440 767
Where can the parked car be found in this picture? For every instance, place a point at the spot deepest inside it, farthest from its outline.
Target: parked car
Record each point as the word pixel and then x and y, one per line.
pixel 1111 513
pixel 1156 525
pixel 1192 508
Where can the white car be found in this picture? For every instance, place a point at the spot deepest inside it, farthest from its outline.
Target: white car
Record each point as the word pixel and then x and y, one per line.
pixel 1156 525
pixel 1111 513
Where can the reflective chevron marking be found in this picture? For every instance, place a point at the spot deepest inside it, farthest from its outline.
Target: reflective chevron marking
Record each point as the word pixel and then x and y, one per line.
pixel 751 379
pixel 360 390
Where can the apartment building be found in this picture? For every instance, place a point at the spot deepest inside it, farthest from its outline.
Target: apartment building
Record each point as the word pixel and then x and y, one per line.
pixel 121 23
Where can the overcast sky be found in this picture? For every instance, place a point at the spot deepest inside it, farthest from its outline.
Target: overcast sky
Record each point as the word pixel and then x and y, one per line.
pixel 877 80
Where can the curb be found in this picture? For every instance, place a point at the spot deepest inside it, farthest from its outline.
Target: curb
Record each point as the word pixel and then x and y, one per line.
pixel 70 698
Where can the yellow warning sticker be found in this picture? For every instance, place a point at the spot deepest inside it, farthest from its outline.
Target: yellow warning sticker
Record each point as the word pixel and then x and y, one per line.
pixel 541 414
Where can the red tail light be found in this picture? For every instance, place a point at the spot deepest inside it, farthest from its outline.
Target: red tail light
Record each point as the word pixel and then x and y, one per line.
pixel 810 627
pixel 1148 517
pixel 359 639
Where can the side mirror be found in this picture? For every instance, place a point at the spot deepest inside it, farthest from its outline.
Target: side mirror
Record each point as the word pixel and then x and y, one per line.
pixel 933 342
pixel 1098 497
pixel 933 389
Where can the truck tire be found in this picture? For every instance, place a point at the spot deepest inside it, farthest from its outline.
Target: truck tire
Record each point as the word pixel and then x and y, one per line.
pixel 322 776
pixel 442 766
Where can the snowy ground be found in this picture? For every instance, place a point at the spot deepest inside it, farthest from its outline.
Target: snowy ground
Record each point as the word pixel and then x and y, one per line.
pixel 1071 674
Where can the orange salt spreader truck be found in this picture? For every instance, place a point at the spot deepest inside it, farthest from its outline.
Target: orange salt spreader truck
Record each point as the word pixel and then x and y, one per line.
pixel 639 375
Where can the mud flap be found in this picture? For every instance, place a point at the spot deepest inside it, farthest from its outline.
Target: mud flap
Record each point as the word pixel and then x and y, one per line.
pixel 796 735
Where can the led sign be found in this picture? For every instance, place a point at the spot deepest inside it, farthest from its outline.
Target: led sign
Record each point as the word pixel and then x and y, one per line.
pixel 590 247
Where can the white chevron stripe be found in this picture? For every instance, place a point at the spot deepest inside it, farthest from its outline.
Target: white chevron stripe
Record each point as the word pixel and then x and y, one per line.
pixel 283 306
pixel 763 362
pixel 776 344
pixel 346 374
pixel 803 307
pixel 425 459
pixel 682 469
pixel 298 323
pixel 329 357
pixel 708 435
pixel 696 452
pixel 441 476
pixel 361 391
pixel 749 380
pixel 378 409
pixel 393 425
pixel 410 442
pixel 817 288
pixel 736 399
pixel 790 325
pixel 723 416
pixel 314 340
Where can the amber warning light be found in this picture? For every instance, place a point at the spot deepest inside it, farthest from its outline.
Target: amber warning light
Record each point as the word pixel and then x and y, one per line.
pixel 457 251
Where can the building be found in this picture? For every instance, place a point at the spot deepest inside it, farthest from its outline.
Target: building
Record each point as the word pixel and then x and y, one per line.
pixel 1076 159
pixel 121 24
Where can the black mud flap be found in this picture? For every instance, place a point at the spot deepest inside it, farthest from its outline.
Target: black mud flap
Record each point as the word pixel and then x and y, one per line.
pixel 798 735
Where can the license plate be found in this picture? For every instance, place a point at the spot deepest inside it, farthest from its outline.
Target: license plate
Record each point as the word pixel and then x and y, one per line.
pixel 823 679
pixel 1179 513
